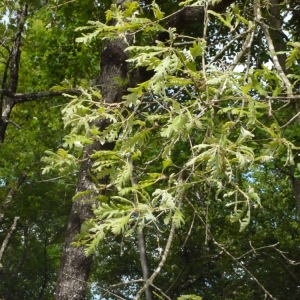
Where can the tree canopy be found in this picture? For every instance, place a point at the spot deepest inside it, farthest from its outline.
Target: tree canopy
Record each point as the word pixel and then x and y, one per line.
pixel 150 149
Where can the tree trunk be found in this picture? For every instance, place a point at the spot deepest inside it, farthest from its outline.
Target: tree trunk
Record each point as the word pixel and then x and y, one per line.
pixel 75 266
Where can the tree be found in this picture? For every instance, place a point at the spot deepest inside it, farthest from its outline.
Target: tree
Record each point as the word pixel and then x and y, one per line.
pixel 32 254
pixel 192 128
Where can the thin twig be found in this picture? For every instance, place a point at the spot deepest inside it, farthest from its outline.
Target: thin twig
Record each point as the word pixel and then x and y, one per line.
pixel 112 293
pixel 58 5
pixel 177 278
pixel 125 283
pixel 227 46
pixel 245 47
pixel 293 97
pixel 256 249
pixel 206 20
pixel 52 179
pixel 241 265
pixel 258 18
pixel 292 262
pixel 190 231
pixel 291 120
pixel 166 251
pixel 15 124
pixel 157 288
pixel 270 108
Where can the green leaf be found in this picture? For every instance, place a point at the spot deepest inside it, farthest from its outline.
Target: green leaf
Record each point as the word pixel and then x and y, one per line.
pixel 178 218
pixel 93 245
pixel 293 55
pixel 167 163
pixel 226 22
pixel 157 12
pixel 131 8
pixel 118 225
pixel 198 48
pixel 189 297
pixel 131 99
pixel 245 221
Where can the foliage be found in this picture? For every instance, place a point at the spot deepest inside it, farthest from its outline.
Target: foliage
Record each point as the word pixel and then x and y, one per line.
pixel 202 147
pixel 216 141
pixel 188 126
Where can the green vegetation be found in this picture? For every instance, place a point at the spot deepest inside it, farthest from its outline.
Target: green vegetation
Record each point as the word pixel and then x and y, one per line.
pixel 170 130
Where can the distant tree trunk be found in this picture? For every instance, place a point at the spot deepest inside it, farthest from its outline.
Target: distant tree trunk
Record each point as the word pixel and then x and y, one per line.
pixel 279 42
pixel 10 77
pixel 278 38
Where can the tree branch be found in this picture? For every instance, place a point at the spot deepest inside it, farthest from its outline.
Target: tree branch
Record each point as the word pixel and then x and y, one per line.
pixel 141 239
pixel 8 236
pixel 167 248
pixel 284 98
pixel 25 97
pixel 16 51
pixel 12 193
pixel 161 263
pixel 274 56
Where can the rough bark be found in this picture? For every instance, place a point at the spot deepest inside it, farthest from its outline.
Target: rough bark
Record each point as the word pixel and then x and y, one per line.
pixel 195 15
pixel 191 15
pixel 75 266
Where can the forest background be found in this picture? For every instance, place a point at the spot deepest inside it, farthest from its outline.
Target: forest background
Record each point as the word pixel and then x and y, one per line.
pixel 149 150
